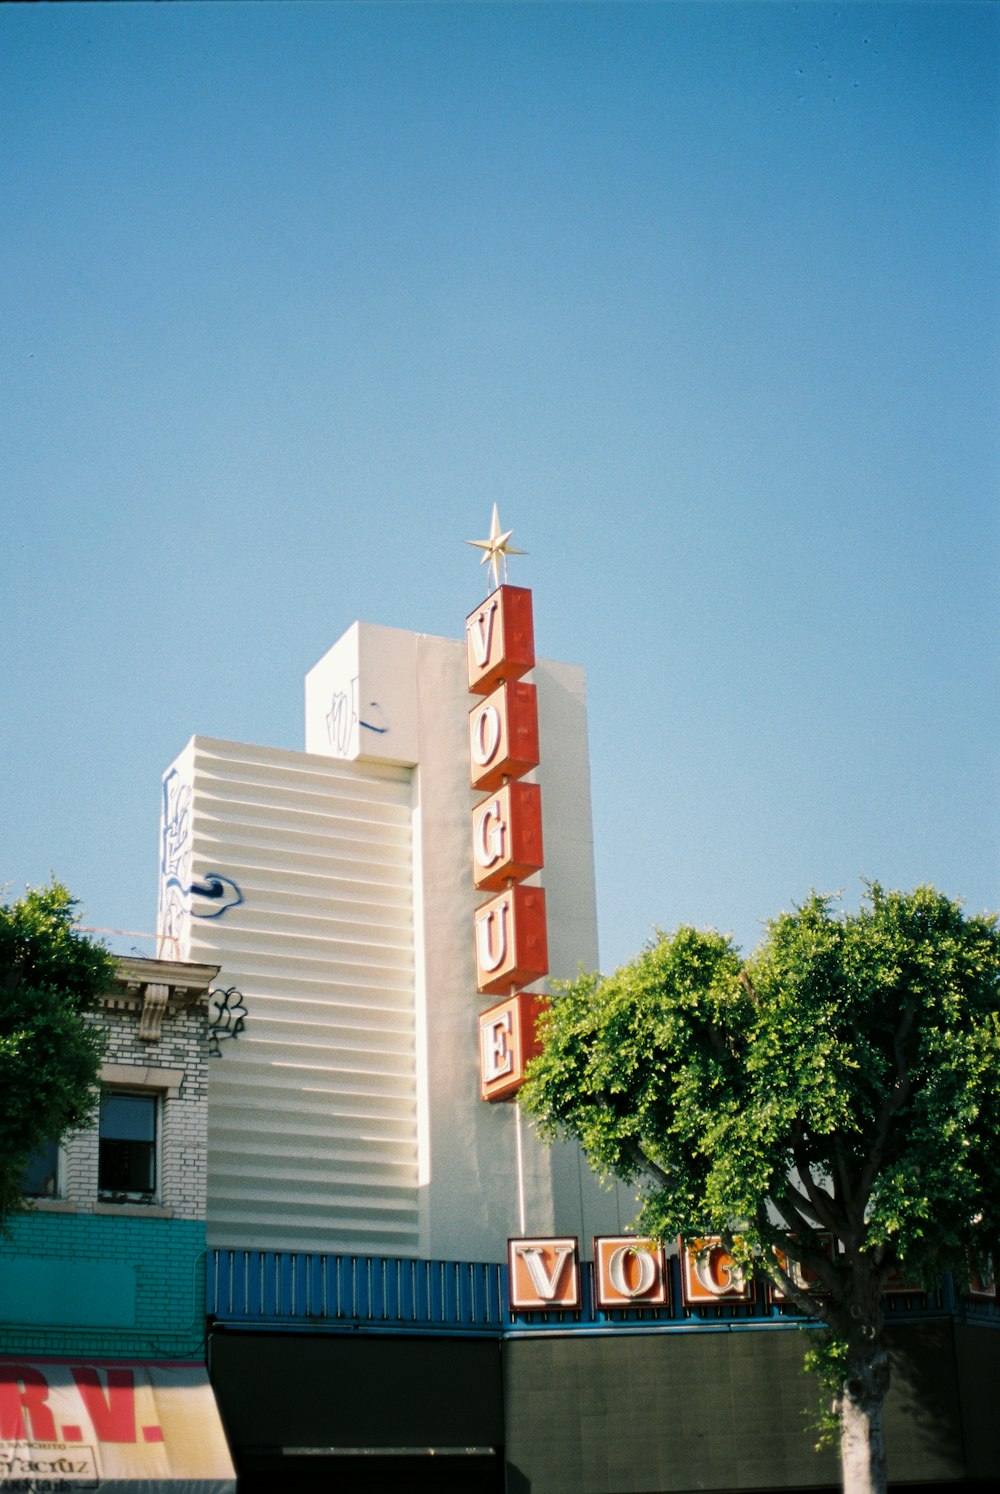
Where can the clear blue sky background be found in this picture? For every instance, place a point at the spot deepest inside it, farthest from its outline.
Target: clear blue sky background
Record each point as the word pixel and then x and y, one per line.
pixel 705 296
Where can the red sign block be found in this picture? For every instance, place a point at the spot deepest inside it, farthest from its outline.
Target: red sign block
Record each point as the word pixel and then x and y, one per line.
pixel 512 946
pixel 508 1038
pixel 507 836
pixel 503 735
pixel 983 1281
pixel 500 639
pixel 629 1272
pixel 543 1274
pixel 710 1275
pixel 804 1277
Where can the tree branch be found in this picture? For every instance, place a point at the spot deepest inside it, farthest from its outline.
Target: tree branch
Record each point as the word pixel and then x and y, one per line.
pixel 820 1202
pixel 634 1152
pixel 803 1300
pixel 891 1104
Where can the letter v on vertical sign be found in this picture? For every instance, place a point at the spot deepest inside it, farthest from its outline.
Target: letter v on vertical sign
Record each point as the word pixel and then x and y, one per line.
pixel 543 1273
pixel 500 640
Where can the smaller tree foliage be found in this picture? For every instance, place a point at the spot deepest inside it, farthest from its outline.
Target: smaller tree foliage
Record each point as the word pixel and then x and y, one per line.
pixel 51 977
pixel 830 1107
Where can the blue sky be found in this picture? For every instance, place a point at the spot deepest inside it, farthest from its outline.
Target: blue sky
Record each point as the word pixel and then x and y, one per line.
pixel 704 296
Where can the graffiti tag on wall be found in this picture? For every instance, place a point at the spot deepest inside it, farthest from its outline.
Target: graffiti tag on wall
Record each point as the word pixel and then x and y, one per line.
pixel 183 896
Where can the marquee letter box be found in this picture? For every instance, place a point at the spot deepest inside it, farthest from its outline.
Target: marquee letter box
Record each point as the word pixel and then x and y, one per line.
pixel 507 835
pixel 503 735
pixel 508 1038
pixel 500 639
pixel 511 941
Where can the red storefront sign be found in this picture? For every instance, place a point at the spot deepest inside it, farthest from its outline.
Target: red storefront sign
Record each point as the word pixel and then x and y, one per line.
pixel 86 1424
pixel 511 941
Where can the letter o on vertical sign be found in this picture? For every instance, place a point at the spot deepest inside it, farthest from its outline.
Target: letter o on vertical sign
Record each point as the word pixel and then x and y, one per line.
pixel 486 734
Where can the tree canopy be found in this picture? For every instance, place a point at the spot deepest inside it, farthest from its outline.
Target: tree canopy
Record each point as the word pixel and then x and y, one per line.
pixel 830 1107
pixel 51 977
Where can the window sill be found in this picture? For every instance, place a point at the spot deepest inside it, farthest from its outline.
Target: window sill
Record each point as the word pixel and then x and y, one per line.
pixel 51 1206
pixel 133 1210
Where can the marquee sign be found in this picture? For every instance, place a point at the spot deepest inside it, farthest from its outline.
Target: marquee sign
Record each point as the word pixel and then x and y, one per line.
pixel 630 1273
pixel 510 931
pixel 803 1277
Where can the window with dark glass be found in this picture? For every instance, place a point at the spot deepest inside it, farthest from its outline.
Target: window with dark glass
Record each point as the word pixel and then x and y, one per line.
pixel 127 1143
pixel 41 1176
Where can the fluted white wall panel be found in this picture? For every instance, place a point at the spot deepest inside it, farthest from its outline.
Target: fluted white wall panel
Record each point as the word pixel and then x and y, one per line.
pixel 313 1139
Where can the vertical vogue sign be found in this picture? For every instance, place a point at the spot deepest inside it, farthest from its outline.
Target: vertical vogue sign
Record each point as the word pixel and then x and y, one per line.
pixel 510 930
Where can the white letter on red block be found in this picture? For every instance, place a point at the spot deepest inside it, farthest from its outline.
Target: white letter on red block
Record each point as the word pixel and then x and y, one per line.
pixel 544 1274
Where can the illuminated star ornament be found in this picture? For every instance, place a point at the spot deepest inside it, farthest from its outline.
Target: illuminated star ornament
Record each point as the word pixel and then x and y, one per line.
pixel 496 549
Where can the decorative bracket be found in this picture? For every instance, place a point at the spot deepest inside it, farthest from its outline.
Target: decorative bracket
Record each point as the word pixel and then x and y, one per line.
pixel 154 1004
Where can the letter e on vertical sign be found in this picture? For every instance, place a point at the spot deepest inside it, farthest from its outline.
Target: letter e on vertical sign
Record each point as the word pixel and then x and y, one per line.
pixel 500 639
pixel 544 1274
pixel 508 1038
pixel 629 1272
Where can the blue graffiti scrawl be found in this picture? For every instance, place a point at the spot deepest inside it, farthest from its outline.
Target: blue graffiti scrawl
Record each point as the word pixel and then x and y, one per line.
pixel 212 895
pixel 183 896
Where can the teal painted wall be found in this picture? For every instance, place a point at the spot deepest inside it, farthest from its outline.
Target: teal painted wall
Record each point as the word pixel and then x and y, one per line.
pixel 122 1287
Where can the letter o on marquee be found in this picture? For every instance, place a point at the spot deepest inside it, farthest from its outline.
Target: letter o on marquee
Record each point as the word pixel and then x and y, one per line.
pixel 644 1267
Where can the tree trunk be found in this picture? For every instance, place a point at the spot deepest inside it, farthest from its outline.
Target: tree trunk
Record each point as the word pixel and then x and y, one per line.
pixel 862 1438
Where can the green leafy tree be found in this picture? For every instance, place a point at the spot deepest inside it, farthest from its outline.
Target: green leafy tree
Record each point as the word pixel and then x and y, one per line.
pixel 51 977
pixel 841 1085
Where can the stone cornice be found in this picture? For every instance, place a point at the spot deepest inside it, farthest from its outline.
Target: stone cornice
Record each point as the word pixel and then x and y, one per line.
pixel 157 988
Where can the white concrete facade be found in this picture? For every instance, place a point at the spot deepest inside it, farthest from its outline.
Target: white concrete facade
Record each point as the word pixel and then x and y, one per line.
pixel 334 888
